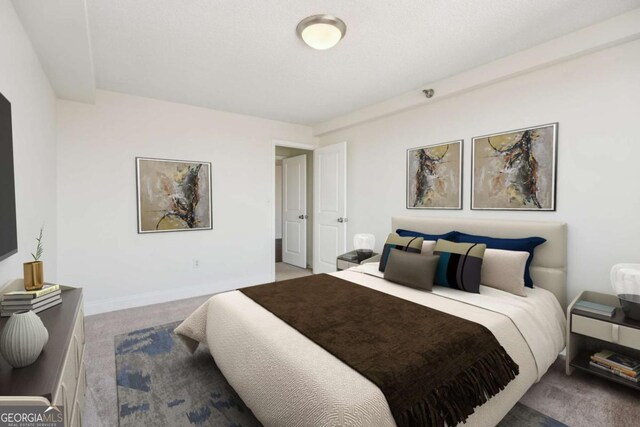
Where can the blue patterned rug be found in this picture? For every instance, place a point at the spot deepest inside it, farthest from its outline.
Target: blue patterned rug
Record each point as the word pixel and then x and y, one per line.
pixel 161 384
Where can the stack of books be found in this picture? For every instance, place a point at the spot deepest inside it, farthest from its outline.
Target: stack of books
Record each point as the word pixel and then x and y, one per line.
pixel 595 308
pixel 617 364
pixel 37 301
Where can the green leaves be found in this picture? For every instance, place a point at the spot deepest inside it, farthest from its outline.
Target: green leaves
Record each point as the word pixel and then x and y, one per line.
pixel 39 248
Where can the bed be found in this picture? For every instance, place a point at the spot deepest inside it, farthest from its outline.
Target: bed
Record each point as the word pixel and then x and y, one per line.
pixel 287 379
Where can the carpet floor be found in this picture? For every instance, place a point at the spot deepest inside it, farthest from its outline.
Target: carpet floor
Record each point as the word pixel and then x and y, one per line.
pixel 160 383
pixel 286 271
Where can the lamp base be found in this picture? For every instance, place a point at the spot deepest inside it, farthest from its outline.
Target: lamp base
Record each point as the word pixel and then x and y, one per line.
pixel 630 305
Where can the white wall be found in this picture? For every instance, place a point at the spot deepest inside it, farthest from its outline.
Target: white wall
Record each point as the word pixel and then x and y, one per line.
pixel 596 100
pixel 24 84
pixel 99 246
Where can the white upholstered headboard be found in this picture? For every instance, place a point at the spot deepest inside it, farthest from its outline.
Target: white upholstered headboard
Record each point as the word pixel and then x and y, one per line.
pixel 549 266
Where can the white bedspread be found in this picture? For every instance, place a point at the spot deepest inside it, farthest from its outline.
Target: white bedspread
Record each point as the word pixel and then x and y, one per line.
pixel 538 317
pixel 288 380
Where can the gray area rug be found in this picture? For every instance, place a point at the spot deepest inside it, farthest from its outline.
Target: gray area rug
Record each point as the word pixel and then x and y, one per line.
pixel 160 383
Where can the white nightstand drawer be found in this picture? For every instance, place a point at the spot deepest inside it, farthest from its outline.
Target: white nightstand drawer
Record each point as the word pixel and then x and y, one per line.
pixel 629 337
pixel 592 328
pixel 606 331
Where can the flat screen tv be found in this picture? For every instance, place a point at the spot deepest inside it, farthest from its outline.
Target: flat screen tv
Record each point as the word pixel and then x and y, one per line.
pixel 8 229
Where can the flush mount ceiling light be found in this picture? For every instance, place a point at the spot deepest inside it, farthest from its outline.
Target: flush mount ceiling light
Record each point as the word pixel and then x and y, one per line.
pixel 321 31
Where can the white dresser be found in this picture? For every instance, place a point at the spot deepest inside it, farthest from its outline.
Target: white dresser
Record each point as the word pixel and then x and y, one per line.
pixel 58 376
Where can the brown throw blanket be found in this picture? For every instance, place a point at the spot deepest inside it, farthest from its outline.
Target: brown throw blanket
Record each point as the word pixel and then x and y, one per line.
pixel 433 368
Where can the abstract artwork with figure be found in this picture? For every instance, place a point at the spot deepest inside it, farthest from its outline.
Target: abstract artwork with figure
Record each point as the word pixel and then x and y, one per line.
pixel 173 195
pixel 515 170
pixel 434 176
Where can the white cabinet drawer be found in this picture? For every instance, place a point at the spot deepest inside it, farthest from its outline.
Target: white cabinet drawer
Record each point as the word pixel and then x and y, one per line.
pixel 591 327
pixel 629 337
pixel 605 331
pixel 78 342
pixel 64 397
pixel 71 369
pixel 76 417
pixel 81 389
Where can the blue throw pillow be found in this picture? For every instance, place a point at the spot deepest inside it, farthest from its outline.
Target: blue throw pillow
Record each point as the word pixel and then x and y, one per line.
pixel 451 235
pixel 526 244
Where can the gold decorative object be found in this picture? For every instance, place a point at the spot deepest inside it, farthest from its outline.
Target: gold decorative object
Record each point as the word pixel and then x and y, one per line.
pixel 33 275
pixel 34 270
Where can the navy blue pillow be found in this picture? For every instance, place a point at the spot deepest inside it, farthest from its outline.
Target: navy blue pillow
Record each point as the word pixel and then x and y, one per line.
pixel 451 235
pixel 526 244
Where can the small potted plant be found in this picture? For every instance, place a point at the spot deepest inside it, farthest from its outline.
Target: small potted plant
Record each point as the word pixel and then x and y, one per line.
pixel 34 270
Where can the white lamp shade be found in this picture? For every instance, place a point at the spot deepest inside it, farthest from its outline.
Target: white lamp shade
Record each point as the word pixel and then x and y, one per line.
pixel 321 36
pixel 364 241
pixel 625 280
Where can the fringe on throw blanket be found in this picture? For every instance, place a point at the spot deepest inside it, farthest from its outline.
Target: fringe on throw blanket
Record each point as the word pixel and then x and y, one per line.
pixel 451 403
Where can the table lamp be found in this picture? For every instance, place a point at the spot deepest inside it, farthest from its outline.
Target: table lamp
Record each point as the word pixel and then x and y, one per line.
pixel 363 244
pixel 625 281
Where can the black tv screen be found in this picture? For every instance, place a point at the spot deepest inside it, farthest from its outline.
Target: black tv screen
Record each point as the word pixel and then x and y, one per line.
pixel 8 229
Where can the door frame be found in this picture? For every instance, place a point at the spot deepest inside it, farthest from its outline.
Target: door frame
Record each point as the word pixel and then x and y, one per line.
pixel 272 197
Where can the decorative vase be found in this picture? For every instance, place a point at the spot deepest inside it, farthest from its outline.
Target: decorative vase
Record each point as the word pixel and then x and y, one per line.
pixel 33 275
pixel 23 338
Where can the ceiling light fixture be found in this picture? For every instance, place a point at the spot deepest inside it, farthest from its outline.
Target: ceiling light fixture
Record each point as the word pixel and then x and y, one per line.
pixel 321 31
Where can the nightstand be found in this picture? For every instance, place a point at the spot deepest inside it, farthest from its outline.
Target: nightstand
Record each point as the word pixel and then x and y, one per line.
pixel 589 333
pixel 350 259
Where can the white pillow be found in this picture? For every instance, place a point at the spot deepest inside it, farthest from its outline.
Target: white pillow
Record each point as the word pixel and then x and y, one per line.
pixel 504 270
pixel 427 247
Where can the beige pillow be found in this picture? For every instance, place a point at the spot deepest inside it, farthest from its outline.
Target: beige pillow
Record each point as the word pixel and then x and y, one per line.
pixel 428 246
pixel 504 270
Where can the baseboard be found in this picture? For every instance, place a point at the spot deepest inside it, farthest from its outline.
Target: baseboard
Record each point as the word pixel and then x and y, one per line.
pixel 167 295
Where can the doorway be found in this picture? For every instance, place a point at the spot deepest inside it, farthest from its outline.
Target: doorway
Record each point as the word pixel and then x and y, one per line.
pixel 293 211
pixel 326 210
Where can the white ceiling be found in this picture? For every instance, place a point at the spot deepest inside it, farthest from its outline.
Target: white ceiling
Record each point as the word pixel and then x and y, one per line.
pixel 244 56
pixel 59 33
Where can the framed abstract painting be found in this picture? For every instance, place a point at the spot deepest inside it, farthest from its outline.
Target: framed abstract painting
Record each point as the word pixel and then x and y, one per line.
pixel 173 195
pixel 515 170
pixel 434 176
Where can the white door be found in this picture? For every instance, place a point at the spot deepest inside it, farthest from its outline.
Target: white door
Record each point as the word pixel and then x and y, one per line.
pixel 294 201
pixel 330 206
